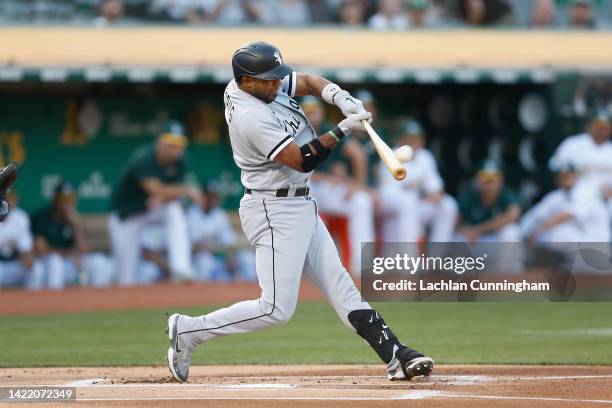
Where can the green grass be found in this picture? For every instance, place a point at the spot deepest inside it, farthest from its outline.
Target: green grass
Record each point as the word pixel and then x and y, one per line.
pixel 452 333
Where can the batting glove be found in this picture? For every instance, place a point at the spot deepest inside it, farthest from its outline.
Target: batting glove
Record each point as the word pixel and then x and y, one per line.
pixel 353 122
pixel 334 95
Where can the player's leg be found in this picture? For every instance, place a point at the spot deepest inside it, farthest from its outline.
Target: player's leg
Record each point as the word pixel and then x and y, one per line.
pixel 98 269
pixel 400 209
pixel 12 273
pixel 280 231
pixel 324 269
pixel 55 271
pixel 361 225
pixel 204 263
pixel 177 239
pixel 125 243
pixel 441 215
pixel 35 279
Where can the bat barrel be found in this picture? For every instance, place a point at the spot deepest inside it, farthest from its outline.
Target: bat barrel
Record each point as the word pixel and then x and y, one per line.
pixel 394 166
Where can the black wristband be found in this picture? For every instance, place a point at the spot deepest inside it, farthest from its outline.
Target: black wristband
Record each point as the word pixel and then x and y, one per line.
pixel 337 132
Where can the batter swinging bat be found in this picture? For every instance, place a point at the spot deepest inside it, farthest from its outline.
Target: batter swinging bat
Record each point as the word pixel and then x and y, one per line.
pixel 394 166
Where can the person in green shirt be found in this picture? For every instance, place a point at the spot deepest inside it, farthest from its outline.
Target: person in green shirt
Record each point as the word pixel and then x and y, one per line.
pixel 60 246
pixel 490 211
pixel 149 190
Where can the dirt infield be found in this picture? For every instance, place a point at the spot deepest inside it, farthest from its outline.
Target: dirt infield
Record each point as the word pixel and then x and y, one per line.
pixel 157 296
pixel 326 385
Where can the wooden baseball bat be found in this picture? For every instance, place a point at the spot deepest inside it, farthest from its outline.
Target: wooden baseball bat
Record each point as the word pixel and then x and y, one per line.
pixel 394 166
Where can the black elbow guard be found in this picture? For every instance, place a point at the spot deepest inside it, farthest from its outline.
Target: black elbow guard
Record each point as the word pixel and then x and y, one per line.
pixel 311 160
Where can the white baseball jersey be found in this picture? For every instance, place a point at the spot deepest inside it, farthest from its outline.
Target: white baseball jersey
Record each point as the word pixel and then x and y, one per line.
pixel 15 234
pixel 593 162
pixel 259 131
pixel 590 223
pixel 421 174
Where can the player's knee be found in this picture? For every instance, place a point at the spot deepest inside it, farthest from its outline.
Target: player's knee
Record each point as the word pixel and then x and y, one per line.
pixel 282 313
pixel 510 233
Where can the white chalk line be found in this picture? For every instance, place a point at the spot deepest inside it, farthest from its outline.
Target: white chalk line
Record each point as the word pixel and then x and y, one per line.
pixel 85 382
pixel 422 395
pixel 239 399
pixel 470 396
pixel 445 379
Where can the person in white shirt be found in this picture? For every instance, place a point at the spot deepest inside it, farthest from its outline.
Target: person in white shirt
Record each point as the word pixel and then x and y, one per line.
pixel 564 216
pixel 590 153
pixel 214 243
pixel 16 246
pixel 418 202
pixel 391 16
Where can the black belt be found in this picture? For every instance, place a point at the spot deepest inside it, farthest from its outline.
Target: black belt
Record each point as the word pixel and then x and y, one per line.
pixel 284 192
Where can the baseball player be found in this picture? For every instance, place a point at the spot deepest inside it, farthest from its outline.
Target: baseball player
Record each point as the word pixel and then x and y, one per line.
pixel 216 255
pixel 148 192
pixel 489 213
pixel 16 246
pixel 277 149
pixel 563 215
pixel 591 155
pixel 419 200
pixel 340 185
pixel 61 247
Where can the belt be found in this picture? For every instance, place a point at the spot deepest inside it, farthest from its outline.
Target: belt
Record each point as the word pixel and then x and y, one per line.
pixel 283 192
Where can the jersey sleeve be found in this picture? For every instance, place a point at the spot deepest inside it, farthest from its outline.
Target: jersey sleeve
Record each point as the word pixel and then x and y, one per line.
pixel 563 155
pixel 289 83
pixel 265 132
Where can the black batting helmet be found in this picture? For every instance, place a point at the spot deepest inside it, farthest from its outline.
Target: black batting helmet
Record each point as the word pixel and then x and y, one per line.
pixel 260 60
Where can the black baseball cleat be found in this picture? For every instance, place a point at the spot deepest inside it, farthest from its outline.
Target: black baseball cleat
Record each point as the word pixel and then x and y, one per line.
pixel 179 359
pixel 408 363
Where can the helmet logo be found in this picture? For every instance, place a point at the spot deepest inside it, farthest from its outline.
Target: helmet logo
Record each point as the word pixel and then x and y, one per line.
pixel 278 57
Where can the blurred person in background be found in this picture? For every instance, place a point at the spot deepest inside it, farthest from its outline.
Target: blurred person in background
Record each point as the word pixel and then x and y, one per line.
pixel 149 191
pixel 581 14
pixel 214 242
pixel 563 215
pixel 228 12
pixel 287 13
pixel 153 264
pixel 423 14
pixel 485 12
pixel 590 153
pixel 352 13
pixel 340 184
pixel 320 11
pixel 544 14
pixel 391 15
pixel 489 212
pixel 16 245
pixel 110 12
pixel 419 201
pixel 61 248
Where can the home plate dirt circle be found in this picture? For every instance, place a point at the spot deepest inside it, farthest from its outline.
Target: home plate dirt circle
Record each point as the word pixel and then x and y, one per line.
pixel 326 385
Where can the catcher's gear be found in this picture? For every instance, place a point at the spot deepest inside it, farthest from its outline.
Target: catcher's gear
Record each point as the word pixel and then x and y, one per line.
pixel 260 60
pixel 8 175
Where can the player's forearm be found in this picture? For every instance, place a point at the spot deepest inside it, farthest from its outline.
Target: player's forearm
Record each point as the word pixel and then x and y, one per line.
pixel 500 221
pixel 308 84
pixel 305 158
